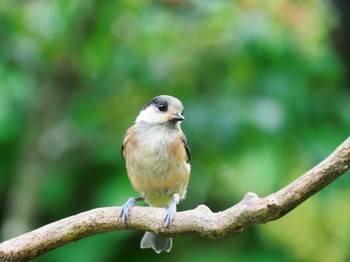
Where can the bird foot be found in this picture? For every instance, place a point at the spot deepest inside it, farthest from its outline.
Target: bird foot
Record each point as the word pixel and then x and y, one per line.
pixel 171 211
pixel 124 213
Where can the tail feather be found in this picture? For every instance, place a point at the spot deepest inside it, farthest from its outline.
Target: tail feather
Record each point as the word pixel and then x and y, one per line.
pixel 158 243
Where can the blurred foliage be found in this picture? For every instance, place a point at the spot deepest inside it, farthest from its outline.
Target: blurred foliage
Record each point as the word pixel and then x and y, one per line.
pixel 265 100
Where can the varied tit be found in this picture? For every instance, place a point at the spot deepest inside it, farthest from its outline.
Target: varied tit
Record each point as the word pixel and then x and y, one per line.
pixel 158 162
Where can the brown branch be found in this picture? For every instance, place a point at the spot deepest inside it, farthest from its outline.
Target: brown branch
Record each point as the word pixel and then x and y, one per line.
pixel 251 210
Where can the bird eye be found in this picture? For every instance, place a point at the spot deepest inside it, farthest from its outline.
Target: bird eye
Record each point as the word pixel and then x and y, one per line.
pixel 162 107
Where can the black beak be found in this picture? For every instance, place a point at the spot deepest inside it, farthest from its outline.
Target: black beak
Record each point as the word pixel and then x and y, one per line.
pixel 177 117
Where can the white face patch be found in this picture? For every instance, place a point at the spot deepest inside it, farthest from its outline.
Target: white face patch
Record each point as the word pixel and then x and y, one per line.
pixel 160 110
pixel 152 115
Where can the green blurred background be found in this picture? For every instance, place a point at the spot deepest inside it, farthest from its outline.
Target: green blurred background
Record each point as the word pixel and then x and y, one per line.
pixel 266 93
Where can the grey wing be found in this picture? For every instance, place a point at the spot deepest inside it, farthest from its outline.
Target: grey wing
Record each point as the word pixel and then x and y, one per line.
pixel 187 148
pixel 127 137
pixel 122 151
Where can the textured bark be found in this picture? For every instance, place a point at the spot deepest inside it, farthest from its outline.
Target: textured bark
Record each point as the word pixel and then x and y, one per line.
pixel 201 221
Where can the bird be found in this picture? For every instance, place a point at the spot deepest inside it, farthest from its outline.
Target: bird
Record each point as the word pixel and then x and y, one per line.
pixel 157 157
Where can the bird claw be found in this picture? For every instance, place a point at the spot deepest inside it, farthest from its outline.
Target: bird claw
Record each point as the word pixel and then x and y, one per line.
pixel 171 211
pixel 169 215
pixel 124 213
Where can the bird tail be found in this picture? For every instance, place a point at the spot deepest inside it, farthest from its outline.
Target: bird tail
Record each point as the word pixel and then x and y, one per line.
pixel 158 243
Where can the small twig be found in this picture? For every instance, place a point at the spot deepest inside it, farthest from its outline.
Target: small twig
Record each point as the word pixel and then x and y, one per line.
pixel 201 221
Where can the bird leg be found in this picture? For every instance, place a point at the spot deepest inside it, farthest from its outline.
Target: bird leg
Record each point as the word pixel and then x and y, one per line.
pixel 124 213
pixel 171 210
